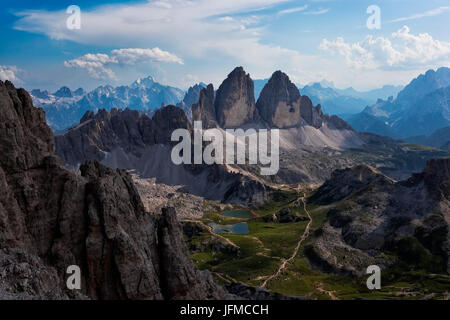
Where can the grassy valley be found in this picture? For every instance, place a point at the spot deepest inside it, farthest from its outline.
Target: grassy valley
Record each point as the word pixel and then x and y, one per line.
pixel 270 242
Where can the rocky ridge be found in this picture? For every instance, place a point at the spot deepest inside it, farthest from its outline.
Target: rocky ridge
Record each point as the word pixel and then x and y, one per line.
pixel 51 218
pixel 127 139
pixel 65 108
pixel 375 220
pixel 190 98
pixel 279 102
pixel 280 105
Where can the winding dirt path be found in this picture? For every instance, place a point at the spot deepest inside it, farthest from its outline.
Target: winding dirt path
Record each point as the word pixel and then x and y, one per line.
pixel 297 248
pixel 331 294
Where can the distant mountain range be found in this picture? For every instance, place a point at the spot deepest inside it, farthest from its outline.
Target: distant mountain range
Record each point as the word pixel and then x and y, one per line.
pixel 340 102
pixel 439 139
pixel 64 108
pixel 348 101
pixel 312 143
pixel 421 108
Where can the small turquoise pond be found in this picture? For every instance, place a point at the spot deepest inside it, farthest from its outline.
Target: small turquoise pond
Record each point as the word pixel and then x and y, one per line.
pixel 237 214
pixel 237 228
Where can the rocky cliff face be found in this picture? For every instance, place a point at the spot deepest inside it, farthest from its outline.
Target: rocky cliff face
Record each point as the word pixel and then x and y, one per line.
pixel 235 100
pixel 279 102
pixel 421 108
pixel 312 115
pixel 99 134
pixel 375 220
pixel 190 98
pixel 279 105
pixel 204 110
pixel 51 218
pixel 129 140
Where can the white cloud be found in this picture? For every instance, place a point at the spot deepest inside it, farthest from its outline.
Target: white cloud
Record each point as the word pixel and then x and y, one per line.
pixel 10 73
pixel 98 64
pixel 318 12
pixel 429 13
pixel 213 37
pixel 134 56
pixel 214 32
pixel 403 50
pixel 292 10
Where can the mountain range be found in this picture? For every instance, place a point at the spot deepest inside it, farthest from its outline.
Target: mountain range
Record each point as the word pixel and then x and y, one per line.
pixel 128 139
pixel 147 95
pixel 344 102
pixel 68 201
pixel 65 108
pixel 374 220
pixel 341 102
pixel 421 108
pixel 439 139
pixel 312 144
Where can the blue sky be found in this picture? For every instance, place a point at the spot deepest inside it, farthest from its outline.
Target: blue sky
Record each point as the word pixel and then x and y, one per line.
pixel 182 42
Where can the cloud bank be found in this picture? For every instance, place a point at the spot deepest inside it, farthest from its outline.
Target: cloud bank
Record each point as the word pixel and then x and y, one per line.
pixel 10 73
pixel 98 65
pixel 403 50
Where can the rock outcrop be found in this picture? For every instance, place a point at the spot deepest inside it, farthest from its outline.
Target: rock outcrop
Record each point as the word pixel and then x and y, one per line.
pixel 375 220
pixel 280 105
pixel 235 100
pixel 190 98
pixel 344 182
pixel 204 110
pixel 279 102
pixel 312 115
pixel 51 218
pixel 99 134
pixel 126 139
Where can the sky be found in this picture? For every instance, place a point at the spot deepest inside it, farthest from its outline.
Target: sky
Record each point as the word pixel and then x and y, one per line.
pixel 183 42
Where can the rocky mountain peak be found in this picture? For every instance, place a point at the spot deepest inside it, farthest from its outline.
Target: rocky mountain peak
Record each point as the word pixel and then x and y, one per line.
pixel 63 92
pixel 41 94
pixel 168 119
pixel 425 83
pixel 312 115
pixel 436 177
pixel 101 133
pixel 204 110
pixel 144 82
pixel 344 182
pixel 279 102
pixel 190 98
pixel 235 100
pixel 79 92
pixel 51 218
pixel 25 138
